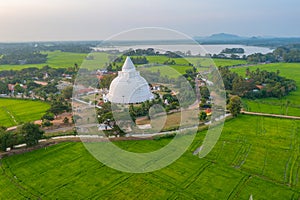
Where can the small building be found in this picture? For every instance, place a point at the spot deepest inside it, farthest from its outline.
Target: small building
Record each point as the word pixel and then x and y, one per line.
pixel 260 87
pixel 208 111
pixel 155 87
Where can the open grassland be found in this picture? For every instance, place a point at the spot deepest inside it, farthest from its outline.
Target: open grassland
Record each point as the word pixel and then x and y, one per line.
pixel 255 155
pixel 205 62
pixel 171 71
pixel 289 105
pixel 202 64
pixel 218 62
pixel 59 59
pixel 15 111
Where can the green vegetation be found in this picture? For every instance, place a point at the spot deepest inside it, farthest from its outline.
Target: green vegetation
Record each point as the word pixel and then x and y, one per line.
pixel 258 158
pixel 23 56
pixel 233 50
pixel 228 62
pixel 98 60
pixel 170 71
pixel 31 133
pixel 288 53
pixel 257 84
pixel 288 105
pixel 202 64
pixel 15 111
pixel 59 59
pixel 235 105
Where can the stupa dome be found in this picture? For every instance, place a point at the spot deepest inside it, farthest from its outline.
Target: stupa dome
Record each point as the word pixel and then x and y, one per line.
pixel 129 86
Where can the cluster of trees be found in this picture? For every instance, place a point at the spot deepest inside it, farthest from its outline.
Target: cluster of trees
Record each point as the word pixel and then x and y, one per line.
pixel 117 63
pixel 152 52
pixel 28 133
pixel 233 51
pixel 59 104
pixel 139 60
pixel 106 80
pixel 75 47
pixel 29 73
pixel 290 53
pixel 23 56
pixel 261 58
pixel 141 52
pixel 68 47
pixel 258 84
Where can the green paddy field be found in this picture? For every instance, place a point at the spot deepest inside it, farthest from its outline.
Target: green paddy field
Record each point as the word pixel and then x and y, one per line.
pixel 16 111
pixel 255 155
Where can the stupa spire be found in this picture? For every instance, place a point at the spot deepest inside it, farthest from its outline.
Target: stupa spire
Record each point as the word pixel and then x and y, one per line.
pixel 128 65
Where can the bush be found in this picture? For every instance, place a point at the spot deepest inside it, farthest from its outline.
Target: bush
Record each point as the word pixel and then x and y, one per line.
pixel 47 123
pixel 48 116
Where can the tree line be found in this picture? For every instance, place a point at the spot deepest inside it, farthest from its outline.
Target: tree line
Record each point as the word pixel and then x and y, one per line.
pixel 23 56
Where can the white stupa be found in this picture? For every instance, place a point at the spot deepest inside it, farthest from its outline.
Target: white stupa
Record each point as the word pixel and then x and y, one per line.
pixel 129 86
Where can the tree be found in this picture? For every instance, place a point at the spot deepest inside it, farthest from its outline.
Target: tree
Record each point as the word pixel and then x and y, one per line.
pixel 3 88
pixel 59 105
pixel 31 133
pixel 67 92
pixel 47 123
pixel 204 91
pixel 19 89
pixel 6 139
pixel 66 120
pixel 202 116
pixel 235 105
pixel 106 80
pixel 48 116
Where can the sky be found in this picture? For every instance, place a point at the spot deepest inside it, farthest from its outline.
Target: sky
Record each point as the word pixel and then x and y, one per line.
pixel 48 20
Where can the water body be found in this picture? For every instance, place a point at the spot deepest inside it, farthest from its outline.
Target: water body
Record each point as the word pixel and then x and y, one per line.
pixel 194 49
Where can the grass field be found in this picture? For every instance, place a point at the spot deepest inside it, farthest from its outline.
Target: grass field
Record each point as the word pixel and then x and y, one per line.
pixel 173 71
pixel 205 62
pixel 15 111
pixel 260 157
pixel 59 59
pixel 277 106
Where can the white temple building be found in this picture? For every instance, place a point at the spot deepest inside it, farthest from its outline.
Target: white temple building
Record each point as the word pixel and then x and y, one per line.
pixel 129 86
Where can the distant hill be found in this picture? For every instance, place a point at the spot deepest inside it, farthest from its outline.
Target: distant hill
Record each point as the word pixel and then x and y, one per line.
pixel 225 38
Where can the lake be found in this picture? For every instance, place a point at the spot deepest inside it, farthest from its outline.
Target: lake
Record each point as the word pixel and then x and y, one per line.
pixel 195 49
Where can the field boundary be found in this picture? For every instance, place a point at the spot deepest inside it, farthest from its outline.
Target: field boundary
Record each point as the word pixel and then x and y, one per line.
pixel 270 115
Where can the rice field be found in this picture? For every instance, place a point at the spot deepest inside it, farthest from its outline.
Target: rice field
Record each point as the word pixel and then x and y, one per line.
pixel 255 155
pixel 15 111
